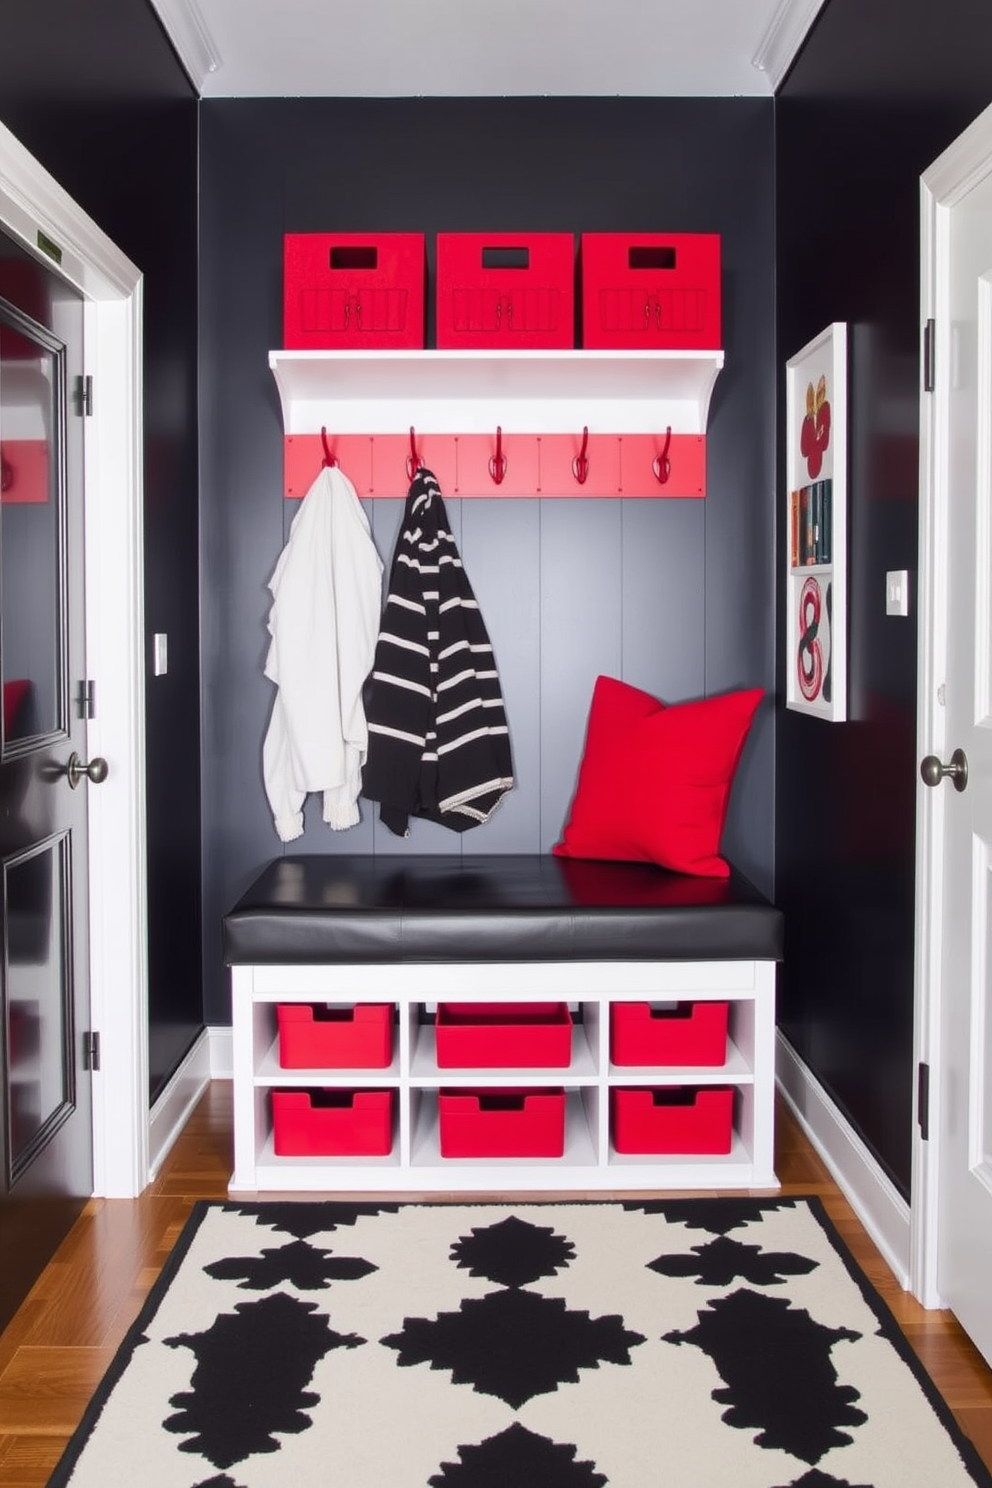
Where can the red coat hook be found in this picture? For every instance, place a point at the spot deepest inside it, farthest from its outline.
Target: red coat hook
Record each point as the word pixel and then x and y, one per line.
pixel 661 464
pixel 497 462
pixel 580 465
pixel 328 456
pixel 412 459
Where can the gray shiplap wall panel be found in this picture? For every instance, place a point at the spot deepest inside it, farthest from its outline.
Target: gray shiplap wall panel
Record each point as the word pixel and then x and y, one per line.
pixel 501 550
pixel 581 604
pixel 663 636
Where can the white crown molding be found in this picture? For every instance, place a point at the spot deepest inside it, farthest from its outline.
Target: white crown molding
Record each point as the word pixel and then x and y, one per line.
pixel 188 32
pixel 963 164
pixel 786 33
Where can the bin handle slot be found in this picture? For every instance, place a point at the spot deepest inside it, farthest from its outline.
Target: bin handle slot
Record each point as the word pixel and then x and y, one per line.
pixel 651 258
pixel 355 257
pixel 506 258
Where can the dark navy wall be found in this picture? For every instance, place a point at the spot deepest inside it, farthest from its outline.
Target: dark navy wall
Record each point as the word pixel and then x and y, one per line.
pixel 96 94
pixel 675 596
pixel 869 104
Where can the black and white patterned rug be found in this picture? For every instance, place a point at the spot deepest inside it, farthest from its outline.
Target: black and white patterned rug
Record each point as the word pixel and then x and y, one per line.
pixel 698 1343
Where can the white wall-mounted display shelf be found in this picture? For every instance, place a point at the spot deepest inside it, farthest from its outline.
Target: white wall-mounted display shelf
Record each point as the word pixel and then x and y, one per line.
pixel 468 392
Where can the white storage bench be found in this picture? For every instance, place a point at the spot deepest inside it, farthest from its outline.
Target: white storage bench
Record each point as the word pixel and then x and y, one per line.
pixel 346 946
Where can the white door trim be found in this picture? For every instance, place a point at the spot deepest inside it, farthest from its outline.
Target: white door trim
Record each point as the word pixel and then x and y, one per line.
pixel 945 183
pixel 32 201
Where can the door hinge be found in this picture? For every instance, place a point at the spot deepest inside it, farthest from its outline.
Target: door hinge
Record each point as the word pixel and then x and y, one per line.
pixel 84 396
pixel 91 1051
pixel 923 1100
pixel 929 353
pixel 86 699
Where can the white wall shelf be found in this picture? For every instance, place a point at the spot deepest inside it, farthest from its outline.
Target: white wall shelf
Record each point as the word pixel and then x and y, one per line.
pixel 470 392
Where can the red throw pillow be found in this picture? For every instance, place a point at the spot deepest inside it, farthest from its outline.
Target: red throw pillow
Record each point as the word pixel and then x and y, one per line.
pixel 654 782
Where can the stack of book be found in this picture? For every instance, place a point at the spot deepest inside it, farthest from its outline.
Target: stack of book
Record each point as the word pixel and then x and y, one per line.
pixel 811 524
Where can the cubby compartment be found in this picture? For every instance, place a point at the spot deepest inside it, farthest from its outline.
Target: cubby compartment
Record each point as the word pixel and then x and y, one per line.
pixel 332 1123
pixel 672 1120
pixel 508 1035
pixel 321 1036
pixel 679 1033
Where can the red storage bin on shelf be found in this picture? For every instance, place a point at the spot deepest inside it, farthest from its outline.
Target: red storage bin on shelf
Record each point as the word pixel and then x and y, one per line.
pixel 649 290
pixel 501 1123
pixel 354 290
pixel 506 290
pixel 673 1121
pixel 501 1035
pixel 335 1038
pixel 332 1123
pixel 688 1033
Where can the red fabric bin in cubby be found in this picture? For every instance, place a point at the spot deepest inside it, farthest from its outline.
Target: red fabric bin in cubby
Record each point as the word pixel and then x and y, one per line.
pixel 650 290
pixel 361 291
pixel 673 1120
pixel 332 1123
pixel 506 290
pixel 501 1035
pixel 316 1037
pixel 501 1123
pixel 687 1033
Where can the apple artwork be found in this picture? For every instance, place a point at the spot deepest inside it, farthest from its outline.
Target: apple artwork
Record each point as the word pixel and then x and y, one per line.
pixel 814 436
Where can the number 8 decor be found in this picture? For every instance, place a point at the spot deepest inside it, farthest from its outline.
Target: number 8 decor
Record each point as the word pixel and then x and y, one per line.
pixel 813 648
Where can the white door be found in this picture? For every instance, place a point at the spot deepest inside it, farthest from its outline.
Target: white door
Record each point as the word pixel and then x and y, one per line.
pixel 961 445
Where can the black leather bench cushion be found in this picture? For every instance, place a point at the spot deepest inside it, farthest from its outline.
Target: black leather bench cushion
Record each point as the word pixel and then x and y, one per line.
pixel 499 908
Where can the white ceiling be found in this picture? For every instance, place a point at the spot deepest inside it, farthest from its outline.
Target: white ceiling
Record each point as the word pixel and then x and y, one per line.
pixel 464 48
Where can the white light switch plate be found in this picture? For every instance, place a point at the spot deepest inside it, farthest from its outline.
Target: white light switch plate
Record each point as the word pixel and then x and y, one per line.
pixel 897 592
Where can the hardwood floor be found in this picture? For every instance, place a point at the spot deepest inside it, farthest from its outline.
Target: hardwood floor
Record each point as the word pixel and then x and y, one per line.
pixel 59 1343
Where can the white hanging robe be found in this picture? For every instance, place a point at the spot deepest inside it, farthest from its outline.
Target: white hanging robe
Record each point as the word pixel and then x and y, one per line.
pixel 324 622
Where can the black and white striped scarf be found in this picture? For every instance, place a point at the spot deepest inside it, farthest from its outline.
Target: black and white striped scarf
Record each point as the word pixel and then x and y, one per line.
pixel 439 746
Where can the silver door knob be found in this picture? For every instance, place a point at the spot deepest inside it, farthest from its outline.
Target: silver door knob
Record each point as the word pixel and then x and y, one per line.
pixel 933 771
pixel 96 771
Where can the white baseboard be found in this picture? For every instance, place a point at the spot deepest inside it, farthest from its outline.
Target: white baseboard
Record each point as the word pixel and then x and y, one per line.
pixel 221 1053
pixel 171 1111
pixel 870 1192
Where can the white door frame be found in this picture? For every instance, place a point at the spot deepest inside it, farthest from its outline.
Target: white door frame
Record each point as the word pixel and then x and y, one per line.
pixel 947 181
pixel 32 202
